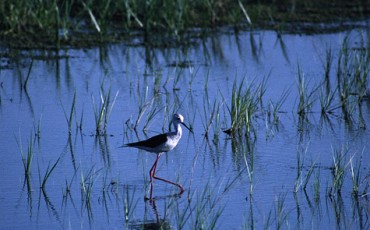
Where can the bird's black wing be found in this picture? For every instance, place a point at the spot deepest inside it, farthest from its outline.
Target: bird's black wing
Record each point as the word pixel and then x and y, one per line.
pixel 151 142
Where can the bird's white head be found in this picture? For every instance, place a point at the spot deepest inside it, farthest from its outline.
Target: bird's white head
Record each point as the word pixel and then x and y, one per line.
pixel 179 119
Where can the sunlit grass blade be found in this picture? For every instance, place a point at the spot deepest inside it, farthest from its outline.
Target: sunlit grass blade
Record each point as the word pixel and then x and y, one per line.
pixel 97 27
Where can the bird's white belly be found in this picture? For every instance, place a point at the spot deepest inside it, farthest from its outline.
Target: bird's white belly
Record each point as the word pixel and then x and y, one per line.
pixel 169 145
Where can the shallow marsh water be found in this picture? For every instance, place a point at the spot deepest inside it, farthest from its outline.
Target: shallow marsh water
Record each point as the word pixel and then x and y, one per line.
pixel 96 184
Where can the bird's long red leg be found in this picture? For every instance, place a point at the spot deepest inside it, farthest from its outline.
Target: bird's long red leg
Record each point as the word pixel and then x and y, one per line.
pixel 151 175
pixel 170 182
pixel 164 180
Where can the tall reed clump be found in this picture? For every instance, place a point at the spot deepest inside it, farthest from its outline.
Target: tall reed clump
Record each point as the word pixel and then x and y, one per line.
pixel 353 70
pixel 245 103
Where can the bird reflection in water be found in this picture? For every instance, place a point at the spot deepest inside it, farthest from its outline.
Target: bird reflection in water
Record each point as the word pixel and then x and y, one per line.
pixel 158 222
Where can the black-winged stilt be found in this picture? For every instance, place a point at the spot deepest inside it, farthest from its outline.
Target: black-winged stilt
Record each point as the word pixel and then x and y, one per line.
pixel 160 144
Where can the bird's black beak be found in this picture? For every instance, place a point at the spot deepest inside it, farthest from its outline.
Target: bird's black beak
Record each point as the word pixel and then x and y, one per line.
pixel 191 130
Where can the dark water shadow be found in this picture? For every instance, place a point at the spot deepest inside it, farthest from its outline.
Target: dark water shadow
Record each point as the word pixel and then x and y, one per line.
pixel 26 187
pixel 50 207
pixel 102 143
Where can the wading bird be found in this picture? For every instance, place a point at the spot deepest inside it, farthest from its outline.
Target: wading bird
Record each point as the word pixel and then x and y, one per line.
pixel 160 144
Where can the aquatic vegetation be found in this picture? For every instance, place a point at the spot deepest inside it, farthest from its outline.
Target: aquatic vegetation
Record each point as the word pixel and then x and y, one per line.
pixel 249 163
pixel 338 170
pixel 28 76
pixel 305 94
pixel 244 106
pixel 37 129
pixel 87 183
pixel 47 174
pixel 327 102
pixel 257 170
pixel 27 158
pixel 352 76
pixel 355 174
pixel 316 184
pixel 103 110
pixel 129 204
pixel 83 22
pixel 274 108
pixel 360 182
pixel 281 214
pixel 145 103
pixel 327 67
pixel 211 117
pixel 302 180
pixel 69 118
pixel 202 209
